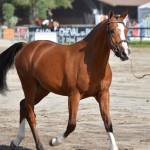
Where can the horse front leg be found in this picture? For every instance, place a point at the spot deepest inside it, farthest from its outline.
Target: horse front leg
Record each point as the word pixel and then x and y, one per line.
pixel 103 100
pixel 73 103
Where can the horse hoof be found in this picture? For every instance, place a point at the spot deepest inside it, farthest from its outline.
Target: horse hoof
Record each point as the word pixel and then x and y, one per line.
pixel 54 142
pixel 40 147
pixel 12 144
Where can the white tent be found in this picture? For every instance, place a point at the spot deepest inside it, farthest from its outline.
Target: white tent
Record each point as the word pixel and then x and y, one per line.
pixel 144 11
pixel 125 2
pixel 144 17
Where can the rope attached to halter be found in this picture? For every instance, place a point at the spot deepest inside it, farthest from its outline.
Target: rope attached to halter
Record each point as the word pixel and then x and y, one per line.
pixel 138 77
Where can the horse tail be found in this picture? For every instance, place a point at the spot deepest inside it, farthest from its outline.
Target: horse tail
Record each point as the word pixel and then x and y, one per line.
pixel 7 58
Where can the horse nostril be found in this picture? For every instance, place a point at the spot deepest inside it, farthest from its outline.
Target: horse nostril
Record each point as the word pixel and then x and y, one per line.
pixel 123 54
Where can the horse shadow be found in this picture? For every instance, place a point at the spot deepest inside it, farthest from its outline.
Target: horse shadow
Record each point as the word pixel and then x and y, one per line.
pixel 6 147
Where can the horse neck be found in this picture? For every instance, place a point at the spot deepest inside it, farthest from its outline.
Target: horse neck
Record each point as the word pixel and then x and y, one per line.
pixel 97 48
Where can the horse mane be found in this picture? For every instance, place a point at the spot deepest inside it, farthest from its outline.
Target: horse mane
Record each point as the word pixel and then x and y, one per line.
pixel 95 30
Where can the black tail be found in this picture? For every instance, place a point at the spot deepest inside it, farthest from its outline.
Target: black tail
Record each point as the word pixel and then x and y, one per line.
pixel 6 62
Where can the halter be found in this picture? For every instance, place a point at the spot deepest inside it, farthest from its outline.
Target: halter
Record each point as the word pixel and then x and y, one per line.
pixel 115 46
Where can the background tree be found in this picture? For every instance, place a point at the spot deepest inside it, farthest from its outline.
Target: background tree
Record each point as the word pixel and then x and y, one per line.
pixel 42 9
pixel 8 14
pixel 36 6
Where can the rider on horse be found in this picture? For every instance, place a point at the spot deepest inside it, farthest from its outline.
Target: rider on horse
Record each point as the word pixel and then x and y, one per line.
pixel 49 20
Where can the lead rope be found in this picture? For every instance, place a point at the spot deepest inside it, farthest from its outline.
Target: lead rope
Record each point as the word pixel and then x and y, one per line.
pixel 138 77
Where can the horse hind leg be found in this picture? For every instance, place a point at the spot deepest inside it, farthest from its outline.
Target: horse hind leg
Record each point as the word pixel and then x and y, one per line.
pixel 73 103
pixel 33 94
pixel 40 93
pixel 21 132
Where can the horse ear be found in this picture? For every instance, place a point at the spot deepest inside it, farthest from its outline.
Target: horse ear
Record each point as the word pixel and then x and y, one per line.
pixel 124 14
pixel 110 14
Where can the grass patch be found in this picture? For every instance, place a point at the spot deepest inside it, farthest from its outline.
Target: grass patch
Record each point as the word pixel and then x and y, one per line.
pixel 138 44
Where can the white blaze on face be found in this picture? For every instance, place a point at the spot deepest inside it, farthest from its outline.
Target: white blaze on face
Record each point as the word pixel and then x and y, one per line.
pixel 122 37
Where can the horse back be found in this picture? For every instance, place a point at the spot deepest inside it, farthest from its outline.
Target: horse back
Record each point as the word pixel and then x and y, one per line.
pixel 54 66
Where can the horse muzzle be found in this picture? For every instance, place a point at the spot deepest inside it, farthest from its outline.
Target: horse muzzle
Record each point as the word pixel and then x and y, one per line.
pixel 123 55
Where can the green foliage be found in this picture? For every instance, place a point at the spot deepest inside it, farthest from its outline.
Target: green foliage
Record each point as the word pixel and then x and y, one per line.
pixel 42 9
pixel 52 4
pixel 139 44
pixel 64 3
pixel 38 7
pixel 13 21
pixel 8 14
pixel 8 11
pixel 25 2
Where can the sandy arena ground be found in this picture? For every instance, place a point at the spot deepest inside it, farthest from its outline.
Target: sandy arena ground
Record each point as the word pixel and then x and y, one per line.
pixel 130 112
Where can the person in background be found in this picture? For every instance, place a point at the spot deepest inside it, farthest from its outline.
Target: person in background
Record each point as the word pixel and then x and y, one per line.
pixel 127 22
pixel 49 22
pixel 49 18
pixel 50 15
pixel 142 30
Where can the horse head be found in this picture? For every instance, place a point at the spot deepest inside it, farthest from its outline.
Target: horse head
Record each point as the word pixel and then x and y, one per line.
pixel 117 32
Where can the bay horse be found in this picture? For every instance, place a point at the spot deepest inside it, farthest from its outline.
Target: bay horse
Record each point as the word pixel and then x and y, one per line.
pixel 79 70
